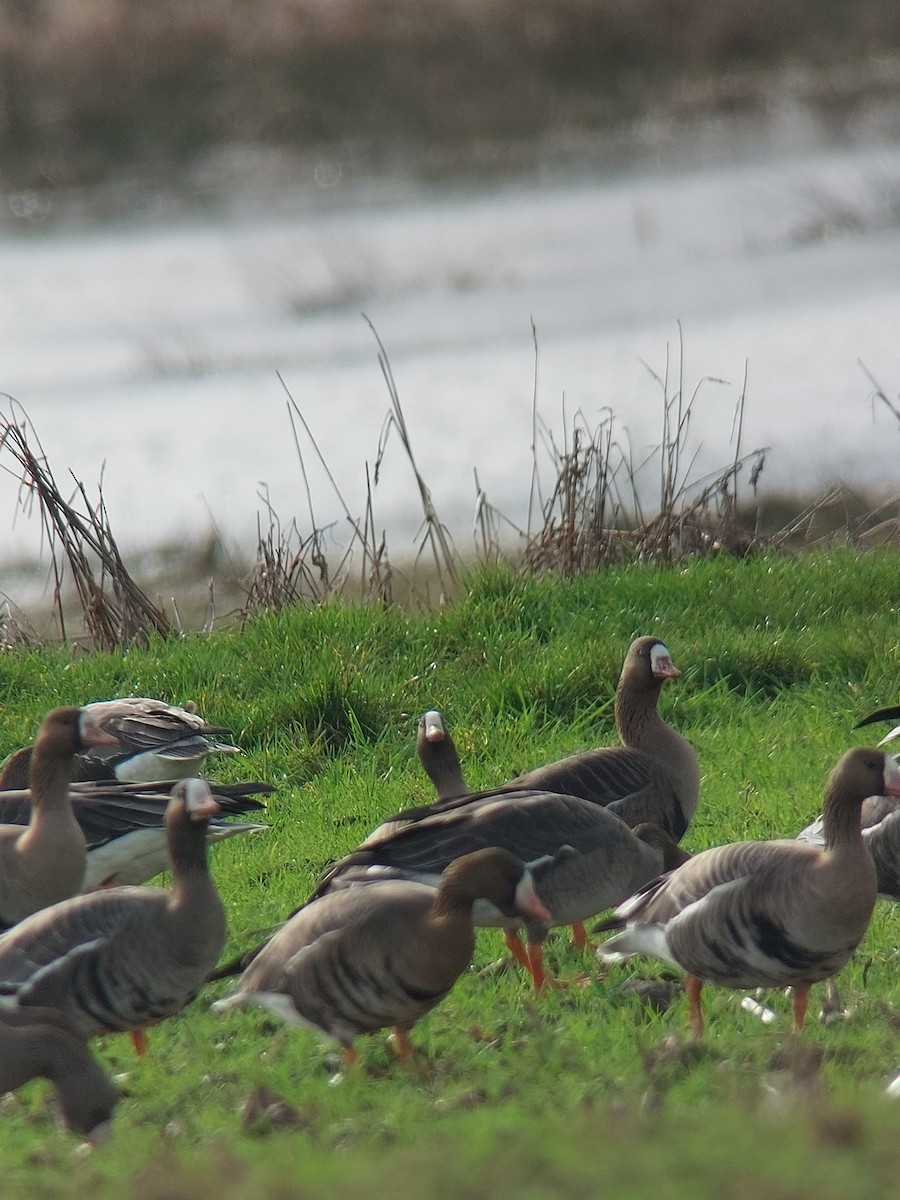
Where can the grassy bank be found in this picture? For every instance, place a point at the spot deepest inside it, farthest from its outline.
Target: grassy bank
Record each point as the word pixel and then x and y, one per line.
pixel 587 1088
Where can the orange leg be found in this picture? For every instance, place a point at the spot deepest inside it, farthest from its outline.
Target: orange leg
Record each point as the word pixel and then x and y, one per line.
pixel 536 966
pixel 799 1002
pixel 580 939
pixel 693 987
pixel 516 947
pixel 139 1041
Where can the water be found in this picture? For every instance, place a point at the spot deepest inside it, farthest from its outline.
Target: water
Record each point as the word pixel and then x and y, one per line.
pixel 156 350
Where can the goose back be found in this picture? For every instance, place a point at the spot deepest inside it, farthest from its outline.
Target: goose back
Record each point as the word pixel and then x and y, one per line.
pixel 590 859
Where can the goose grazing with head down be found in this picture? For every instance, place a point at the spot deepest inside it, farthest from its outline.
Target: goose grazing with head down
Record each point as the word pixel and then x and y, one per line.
pixel 43 862
pixel 769 914
pixel 126 957
pixel 366 958
pixel 653 776
pixel 39 1044
pixel 583 858
pixel 149 742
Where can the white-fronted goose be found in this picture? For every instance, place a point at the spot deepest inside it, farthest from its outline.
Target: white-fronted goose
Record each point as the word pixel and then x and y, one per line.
pixel 39 1044
pixel 43 860
pixel 770 914
pixel 584 858
pixel 366 958
pixel 124 825
pixel 653 776
pixel 150 742
pixel 437 754
pixel 126 957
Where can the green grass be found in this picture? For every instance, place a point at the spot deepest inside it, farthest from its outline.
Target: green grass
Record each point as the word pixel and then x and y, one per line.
pixel 586 1089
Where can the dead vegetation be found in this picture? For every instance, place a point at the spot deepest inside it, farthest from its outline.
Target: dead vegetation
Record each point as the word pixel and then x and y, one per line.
pixel 598 510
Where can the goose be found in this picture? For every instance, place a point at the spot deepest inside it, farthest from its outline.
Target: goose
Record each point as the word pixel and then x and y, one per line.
pixel 366 958
pixel 125 957
pixel 124 825
pixel 880 819
pixel 42 857
pixel 151 741
pixel 771 914
pixel 584 858
pixel 39 1044
pixel 653 776
pixel 438 756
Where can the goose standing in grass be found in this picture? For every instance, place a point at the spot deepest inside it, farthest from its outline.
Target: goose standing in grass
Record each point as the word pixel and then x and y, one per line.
pixel 654 775
pixel 126 957
pixel 39 1044
pixel 583 858
pixel 150 741
pixel 772 914
pixel 44 861
pixel 366 958
pixel 123 825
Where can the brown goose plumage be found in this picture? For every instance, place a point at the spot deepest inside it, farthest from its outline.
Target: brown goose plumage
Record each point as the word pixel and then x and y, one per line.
pixel 39 1044
pixel 126 957
pixel 150 742
pixel 769 914
pixel 383 954
pixel 654 775
pixel 44 862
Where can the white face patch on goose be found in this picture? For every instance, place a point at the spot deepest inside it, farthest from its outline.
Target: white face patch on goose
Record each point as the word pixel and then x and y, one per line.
pixel 661 662
pixel 528 902
pixel 434 726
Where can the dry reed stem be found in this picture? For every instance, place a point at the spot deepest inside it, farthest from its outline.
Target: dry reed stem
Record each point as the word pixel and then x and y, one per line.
pixel 117 613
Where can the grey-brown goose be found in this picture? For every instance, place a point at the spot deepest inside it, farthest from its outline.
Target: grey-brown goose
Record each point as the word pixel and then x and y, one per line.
pixel 124 824
pixel 880 821
pixel 771 914
pixel 654 775
pixel 126 957
pixel 366 958
pixel 584 858
pixel 44 861
pixel 150 742
pixel 438 756
pixel 39 1044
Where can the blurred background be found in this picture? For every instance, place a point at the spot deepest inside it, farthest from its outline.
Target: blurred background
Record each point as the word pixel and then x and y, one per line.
pixel 547 210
